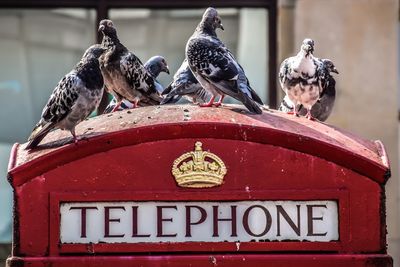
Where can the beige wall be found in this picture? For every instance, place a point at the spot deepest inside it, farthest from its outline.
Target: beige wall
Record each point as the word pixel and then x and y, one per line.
pixel 360 36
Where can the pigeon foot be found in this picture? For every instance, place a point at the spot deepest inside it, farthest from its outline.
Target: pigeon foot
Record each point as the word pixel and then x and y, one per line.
pixel 116 106
pixel 311 118
pixel 219 103
pixel 209 104
pixel 206 105
pixel 135 104
pixel 293 113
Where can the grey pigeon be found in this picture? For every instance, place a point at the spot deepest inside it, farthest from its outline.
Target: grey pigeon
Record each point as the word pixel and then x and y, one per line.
pixel 76 96
pixel 215 67
pixel 186 85
pixel 125 77
pixel 323 107
pixel 298 77
pixel 155 65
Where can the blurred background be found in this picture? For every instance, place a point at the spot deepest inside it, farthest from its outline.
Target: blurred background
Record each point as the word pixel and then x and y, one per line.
pixel 41 40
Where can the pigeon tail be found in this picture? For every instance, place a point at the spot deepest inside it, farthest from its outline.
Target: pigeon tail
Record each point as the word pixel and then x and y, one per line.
pixel 255 97
pixel 171 96
pixel 167 89
pixel 170 99
pixel 153 99
pixel 249 103
pixel 38 133
pixel 249 97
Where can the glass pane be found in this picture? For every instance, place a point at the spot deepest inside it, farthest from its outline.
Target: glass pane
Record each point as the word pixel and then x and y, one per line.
pixel 149 32
pixel 39 47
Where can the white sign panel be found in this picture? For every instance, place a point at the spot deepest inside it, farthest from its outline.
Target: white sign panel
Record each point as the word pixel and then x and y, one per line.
pixel 243 221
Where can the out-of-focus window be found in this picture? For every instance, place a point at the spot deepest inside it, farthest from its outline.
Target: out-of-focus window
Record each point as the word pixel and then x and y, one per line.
pixel 149 32
pixel 37 48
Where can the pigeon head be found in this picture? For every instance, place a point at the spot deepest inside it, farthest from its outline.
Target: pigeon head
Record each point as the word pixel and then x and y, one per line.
pixel 308 46
pixel 157 64
pixel 95 51
pixel 106 27
pixel 330 66
pixel 212 19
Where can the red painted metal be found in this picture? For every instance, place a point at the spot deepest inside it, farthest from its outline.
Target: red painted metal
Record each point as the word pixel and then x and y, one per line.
pixel 310 260
pixel 128 155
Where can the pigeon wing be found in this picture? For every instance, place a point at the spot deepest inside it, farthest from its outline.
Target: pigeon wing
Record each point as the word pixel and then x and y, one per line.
pixel 139 78
pixel 57 108
pixel 184 83
pixel 284 72
pixel 323 108
pixel 216 64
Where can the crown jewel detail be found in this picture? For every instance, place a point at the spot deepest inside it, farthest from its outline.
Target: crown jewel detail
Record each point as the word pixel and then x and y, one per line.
pixel 198 169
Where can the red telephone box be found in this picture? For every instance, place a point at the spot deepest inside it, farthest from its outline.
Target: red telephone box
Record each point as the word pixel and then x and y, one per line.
pixel 188 186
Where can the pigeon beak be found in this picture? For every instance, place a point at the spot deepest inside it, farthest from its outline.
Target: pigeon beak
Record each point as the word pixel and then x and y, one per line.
pixel 221 26
pixel 101 28
pixel 167 69
pixel 307 48
pixel 335 71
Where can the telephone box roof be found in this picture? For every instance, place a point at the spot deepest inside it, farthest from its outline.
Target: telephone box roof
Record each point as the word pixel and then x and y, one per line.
pixel 146 124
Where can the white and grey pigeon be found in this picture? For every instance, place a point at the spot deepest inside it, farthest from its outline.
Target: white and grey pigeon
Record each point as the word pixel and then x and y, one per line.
pixel 186 85
pixel 298 77
pixel 155 65
pixel 75 97
pixel 324 106
pixel 215 67
pixel 125 77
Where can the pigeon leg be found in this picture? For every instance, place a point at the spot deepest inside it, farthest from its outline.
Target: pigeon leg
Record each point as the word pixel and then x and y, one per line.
pixel 209 104
pixel 219 101
pixel 135 103
pixel 116 106
pixel 74 136
pixel 294 112
pixel 309 116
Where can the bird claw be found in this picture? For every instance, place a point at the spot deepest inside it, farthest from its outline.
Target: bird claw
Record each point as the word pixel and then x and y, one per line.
pixel 217 104
pixel 311 118
pixel 116 107
pixel 293 113
pixel 206 105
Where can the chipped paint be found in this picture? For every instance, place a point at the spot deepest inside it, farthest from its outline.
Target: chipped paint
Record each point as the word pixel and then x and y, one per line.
pixel 237 246
pixel 213 260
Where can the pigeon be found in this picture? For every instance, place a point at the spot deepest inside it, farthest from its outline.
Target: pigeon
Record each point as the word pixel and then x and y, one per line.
pixel 186 85
pixel 298 77
pixel 75 97
pixel 125 77
pixel 215 67
pixel 155 65
pixel 323 107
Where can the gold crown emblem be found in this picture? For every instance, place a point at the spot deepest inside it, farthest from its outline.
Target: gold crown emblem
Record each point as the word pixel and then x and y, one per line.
pixel 205 169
